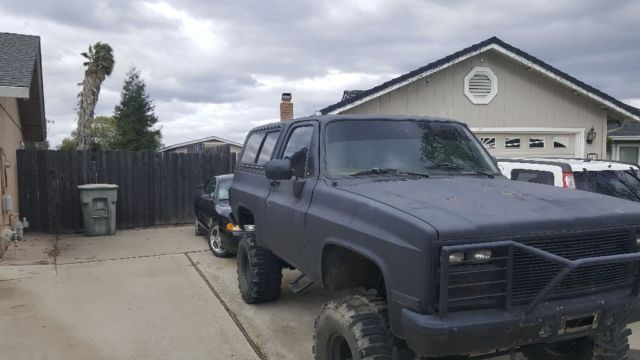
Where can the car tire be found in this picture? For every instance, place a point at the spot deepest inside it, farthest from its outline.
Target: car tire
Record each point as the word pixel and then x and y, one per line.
pixel 199 231
pixel 214 239
pixel 357 327
pixel 609 344
pixel 259 271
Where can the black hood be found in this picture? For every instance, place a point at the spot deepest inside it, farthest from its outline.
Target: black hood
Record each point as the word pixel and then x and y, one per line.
pixel 470 206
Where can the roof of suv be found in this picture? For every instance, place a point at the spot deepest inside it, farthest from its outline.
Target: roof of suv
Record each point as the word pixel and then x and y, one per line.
pixel 327 118
pixel 577 164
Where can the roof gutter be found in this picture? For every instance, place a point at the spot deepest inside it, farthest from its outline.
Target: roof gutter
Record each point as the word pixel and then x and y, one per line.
pixel 14 92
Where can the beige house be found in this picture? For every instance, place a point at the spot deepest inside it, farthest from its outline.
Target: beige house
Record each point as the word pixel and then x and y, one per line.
pixel 516 104
pixel 22 117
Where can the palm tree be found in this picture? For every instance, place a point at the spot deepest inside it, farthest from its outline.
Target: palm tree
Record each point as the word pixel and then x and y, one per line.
pixel 98 66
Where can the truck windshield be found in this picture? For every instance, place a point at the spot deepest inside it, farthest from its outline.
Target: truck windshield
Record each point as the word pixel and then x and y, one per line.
pixel 623 184
pixel 369 147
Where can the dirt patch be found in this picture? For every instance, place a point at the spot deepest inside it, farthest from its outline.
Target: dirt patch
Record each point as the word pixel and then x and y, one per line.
pixel 53 253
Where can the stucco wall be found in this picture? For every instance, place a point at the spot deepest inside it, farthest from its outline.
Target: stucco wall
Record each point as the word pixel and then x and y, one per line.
pixel 10 138
pixel 525 99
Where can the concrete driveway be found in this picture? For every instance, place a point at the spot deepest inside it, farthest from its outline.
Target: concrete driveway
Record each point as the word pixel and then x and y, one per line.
pixel 144 294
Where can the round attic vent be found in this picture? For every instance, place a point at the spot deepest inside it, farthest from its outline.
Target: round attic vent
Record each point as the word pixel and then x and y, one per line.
pixel 481 85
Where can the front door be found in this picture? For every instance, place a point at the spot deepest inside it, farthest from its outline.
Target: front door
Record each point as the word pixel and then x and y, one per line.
pixel 289 200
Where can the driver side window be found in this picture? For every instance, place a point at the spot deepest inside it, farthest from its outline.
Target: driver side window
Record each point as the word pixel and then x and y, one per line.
pixel 298 151
pixel 210 187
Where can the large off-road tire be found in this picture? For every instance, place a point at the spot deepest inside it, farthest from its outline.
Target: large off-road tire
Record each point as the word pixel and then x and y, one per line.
pixel 356 327
pixel 609 344
pixel 259 271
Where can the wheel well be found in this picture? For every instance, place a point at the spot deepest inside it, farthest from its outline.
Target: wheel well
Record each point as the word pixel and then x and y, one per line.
pixel 345 269
pixel 245 216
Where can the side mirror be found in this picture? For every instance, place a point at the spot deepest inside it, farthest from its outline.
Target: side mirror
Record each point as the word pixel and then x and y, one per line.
pixel 278 169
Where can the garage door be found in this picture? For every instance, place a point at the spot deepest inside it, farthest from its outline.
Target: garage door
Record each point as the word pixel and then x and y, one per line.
pixel 513 145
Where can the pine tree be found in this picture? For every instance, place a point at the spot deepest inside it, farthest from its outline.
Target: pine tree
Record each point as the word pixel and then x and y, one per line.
pixel 134 116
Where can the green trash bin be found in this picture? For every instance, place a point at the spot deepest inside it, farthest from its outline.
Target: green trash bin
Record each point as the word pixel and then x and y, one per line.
pixel 98 203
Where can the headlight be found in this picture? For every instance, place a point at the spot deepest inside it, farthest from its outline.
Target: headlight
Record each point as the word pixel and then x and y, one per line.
pixel 456 258
pixel 249 228
pixel 476 257
pixel 480 256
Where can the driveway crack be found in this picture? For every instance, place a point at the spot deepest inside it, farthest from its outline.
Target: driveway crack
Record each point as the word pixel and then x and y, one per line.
pixel 233 316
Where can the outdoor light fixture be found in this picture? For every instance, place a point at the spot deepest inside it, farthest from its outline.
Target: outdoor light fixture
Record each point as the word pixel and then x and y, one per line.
pixel 591 135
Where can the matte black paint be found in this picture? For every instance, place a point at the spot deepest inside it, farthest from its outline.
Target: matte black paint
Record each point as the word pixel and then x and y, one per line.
pixel 400 223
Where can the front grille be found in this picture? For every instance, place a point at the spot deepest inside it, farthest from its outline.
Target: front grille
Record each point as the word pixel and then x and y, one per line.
pixel 531 274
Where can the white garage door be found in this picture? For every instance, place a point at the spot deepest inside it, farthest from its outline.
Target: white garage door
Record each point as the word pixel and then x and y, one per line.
pixel 513 145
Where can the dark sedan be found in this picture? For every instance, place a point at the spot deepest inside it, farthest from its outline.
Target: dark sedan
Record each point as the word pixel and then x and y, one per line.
pixel 213 216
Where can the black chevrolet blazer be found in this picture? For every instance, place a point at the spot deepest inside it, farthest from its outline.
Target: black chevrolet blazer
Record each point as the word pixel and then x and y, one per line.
pixel 443 255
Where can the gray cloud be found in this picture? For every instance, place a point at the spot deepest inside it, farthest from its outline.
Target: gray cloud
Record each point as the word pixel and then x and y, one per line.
pixel 218 67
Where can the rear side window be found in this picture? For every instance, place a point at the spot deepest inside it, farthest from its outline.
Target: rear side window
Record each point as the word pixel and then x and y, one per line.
pixel 251 148
pixel 267 147
pixel 532 176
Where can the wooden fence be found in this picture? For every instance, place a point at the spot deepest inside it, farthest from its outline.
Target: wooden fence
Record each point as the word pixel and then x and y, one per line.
pixel 155 188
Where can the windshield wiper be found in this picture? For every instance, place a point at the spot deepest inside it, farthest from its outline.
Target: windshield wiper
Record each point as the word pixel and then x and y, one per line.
pixel 377 171
pixel 452 166
pixel 488 174
pixel 444 165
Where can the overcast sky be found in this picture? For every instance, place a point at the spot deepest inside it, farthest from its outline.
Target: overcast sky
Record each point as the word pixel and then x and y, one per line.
pixel 219 67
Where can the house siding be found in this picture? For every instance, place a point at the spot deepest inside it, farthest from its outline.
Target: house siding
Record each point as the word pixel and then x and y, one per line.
pixel 10 141
pixel 525 99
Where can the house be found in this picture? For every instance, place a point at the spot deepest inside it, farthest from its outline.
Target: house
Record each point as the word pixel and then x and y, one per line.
pixel 625 143
pixel 200 145
pixel 515 103
pixel 22 117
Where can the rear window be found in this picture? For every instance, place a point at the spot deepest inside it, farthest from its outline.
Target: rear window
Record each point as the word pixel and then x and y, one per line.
pixel 251 148
pixel 267 147
pixel 532 176
pixel 623 184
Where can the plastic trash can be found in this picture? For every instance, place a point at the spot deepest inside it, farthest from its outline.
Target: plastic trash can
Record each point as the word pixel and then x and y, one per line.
pixel 98 203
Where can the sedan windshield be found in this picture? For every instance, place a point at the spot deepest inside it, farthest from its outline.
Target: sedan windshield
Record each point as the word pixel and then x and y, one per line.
pixel 623 184
pixel 223 190
pixel 373 147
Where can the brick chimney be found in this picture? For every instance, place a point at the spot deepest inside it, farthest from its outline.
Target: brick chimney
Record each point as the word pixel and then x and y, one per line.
pixel 286 107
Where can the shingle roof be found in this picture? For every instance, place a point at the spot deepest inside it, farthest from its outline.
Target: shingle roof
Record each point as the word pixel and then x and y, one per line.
pixel 630 129
pixel 473 48
pixel 18 54
pixel 207 139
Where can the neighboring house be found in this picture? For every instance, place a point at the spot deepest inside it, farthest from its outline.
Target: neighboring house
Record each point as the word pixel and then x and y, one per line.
pixel 516 104
pixel 625 143
pixel 201 145
pixel 21 109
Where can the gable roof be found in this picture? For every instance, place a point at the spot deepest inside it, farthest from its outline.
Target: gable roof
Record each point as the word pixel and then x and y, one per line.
pixel 207 139
pixel 490 44
pixel 18 55
pixel 629 129
pixel 21 77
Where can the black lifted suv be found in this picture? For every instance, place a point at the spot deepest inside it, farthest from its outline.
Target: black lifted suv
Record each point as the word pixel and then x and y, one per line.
pixel 453 259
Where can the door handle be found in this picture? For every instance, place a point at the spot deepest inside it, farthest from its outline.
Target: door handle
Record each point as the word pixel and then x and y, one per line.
pixel 275 183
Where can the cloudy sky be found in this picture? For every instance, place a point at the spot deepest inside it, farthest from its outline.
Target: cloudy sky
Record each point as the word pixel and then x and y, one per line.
pixel 218 67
